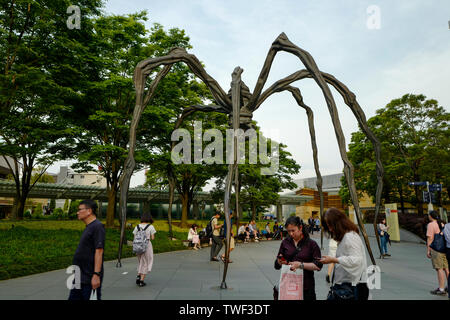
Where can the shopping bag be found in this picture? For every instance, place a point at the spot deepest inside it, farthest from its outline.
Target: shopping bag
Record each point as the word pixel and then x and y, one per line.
pixel 93 295
pixel 291 284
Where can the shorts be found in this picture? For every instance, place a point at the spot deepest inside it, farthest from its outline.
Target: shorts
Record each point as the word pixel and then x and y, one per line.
pixel 438 260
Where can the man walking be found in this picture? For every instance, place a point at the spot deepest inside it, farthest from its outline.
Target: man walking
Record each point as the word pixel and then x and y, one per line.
pixel 89 254
pixel 216 240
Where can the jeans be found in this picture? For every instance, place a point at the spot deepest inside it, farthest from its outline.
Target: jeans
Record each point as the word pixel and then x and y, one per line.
pixel 383 241
pixel 84 293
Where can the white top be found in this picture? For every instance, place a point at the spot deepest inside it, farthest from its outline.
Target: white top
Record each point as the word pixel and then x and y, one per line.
pixel 191 233
pixel 241 230
pixel 150 230
pixel 332 247
pixel 382 227
pixel 351 254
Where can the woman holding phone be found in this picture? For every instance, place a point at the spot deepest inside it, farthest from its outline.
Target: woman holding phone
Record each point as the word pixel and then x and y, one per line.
pixel 299 251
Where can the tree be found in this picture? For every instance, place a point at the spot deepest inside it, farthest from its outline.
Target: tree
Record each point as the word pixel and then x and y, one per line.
pixel 187 179
pixel 40 78
pixel 414 133
pixel 255 189
pixel 105 116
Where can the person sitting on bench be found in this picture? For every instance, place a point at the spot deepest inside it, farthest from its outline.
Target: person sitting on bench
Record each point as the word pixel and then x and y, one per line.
pixel 243 234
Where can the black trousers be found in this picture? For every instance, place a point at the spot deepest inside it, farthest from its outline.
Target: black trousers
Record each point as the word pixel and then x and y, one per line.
pixel 216 246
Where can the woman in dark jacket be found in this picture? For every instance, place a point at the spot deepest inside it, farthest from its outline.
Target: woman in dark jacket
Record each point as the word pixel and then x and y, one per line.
pixel 299 251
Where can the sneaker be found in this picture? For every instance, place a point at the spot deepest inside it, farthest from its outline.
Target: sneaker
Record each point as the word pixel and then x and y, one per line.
pixel 142 283
pixel 214 259
pixel 387 254
pixel 438 292
pixel 138 279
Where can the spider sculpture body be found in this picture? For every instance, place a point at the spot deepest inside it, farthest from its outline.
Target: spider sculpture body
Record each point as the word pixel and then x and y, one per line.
pixel 240 104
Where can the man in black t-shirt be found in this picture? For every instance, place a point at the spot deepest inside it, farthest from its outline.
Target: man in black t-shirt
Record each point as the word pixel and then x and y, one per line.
pixel 89 254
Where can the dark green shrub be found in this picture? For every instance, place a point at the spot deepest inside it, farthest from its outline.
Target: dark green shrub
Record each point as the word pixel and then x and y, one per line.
pixel 73 209
pixel 57 214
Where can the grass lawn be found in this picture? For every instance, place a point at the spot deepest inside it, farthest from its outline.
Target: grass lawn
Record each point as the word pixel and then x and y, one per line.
pixel 36 246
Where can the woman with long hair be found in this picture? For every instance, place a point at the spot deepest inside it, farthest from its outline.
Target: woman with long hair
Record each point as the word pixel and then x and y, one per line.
pixel 349 278
pixel 300 251
pixel 145 260
pixel 194 238
pixel 382 231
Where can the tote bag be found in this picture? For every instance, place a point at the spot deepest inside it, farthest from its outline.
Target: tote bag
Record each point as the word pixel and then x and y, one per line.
pixel 291 284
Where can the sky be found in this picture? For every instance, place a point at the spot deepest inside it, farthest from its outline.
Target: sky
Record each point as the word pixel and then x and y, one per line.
pixel 380 54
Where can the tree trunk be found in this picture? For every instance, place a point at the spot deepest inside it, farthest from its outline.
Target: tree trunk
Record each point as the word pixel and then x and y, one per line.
pixel 253 211
pixel 18 208
pixel 402 200
pixel 21 207
pixel 111 209
pixel 14 215
pixel 169 211
pixel 184 210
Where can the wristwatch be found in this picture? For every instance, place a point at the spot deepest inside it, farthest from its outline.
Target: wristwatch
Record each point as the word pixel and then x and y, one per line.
pixel 98 273
pixel 301 265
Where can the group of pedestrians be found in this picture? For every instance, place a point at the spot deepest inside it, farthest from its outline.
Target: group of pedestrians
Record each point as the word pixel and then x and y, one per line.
pixel 349 272
pixel 313 224
pixel 89 255
pixel 346 258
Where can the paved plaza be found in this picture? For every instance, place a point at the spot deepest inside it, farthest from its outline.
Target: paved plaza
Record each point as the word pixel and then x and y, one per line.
pixel 189 275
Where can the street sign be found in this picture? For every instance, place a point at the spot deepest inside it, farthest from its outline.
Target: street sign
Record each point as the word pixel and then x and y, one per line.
pixel 435 187
pixel 434 198
pixel 426 197
pixel 418 183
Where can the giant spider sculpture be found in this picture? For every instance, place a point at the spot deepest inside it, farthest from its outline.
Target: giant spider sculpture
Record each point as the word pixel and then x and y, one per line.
pixel 240 104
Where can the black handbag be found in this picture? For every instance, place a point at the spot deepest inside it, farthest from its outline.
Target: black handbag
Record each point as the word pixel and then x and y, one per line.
pixel 344 291
pixel 438 243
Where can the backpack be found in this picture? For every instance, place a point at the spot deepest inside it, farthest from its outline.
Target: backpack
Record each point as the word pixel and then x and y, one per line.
pixel 209 229
pixel 140 242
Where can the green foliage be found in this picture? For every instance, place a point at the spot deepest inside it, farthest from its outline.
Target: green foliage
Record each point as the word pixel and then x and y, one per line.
pixel 53 246
pixel 42 71
pixel 66 206
pixel 52 204
pixel 73 209
pixel 57 214
pixel 414 136
pixel 259 191
pixel 37 212
pixel 27 214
